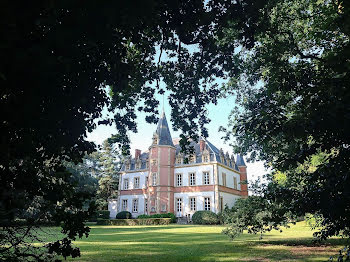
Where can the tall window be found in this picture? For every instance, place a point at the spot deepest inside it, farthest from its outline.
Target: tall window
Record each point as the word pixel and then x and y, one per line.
pixel 154 179
pixel 125 204
pixel 221 204
pixel 207 203
pixel 223 179
pixel 154 162
pixel 126 184
pixel 146 205
pixel 192 179
pixel 146 181
pixel 193 203
pixel 136 182
pixel 179 205
pixel 178 179
pixel 206 178
pixel 235 186
pixel 135 205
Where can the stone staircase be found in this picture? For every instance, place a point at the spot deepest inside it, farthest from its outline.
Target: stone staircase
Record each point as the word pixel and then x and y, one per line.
pixel 182 220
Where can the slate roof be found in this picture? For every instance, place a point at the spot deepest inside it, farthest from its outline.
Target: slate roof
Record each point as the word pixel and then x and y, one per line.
pixel 163 132
pixel 214 154
pixel 164 138
pixel 240 160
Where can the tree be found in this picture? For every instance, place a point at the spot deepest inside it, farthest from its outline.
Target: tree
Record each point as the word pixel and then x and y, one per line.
pixel 108 178
pixel 294 92
pixel 58 58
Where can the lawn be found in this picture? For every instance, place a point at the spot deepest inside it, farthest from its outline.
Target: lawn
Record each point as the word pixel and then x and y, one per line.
pixel 200 243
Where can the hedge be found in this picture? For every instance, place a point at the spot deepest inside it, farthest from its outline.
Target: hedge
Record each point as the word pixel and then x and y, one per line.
pixel 166 215
pixel 205 218
pixel 105 214
pixel 123 215
pixel 134 222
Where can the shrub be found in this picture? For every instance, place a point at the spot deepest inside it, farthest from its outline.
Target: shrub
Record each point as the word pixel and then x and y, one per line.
pixel 134 222
pixel 205 218
pixel 103 214
pixel 143 216
pixel 123 215
pixel 167 215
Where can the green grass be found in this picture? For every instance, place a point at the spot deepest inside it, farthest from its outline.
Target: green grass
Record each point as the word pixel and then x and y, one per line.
pixel 200 243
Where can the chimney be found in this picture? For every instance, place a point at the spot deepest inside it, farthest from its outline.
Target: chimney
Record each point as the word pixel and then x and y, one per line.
pixel 137 153
pixel 202 145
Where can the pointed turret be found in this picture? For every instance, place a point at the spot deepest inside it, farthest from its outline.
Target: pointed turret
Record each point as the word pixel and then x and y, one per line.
pixel 163 132
pixel 240 160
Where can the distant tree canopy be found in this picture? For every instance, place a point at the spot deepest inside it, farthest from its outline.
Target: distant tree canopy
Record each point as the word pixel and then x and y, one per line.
pixel 294 93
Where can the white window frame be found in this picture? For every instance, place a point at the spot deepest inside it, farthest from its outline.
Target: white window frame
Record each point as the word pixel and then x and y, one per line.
pixel 192 180
pixel 193 204
pixel 206 181
pixel 135 205
pixel 146 205
pixel 178 178
pixel 124 204
pixel 235 184
pixel 207 203
pixel 224 182
pixel 137 185
pixel 126 183
pixel 177 205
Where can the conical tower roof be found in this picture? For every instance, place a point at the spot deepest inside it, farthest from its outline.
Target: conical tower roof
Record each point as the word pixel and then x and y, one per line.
pixel 240 160
pixel 163 132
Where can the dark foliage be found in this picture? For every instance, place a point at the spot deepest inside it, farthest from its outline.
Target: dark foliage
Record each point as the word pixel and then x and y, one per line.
pixel 123 215
pixel 58 58
pixel 293 90
pixel 205 218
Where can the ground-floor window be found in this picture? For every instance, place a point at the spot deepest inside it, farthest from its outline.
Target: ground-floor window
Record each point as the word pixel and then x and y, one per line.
pixel 125 204
pixel 135 205
pixel 221 204
pixel 207 203
pixel 146 206
pixel 179 206
pixel 193 203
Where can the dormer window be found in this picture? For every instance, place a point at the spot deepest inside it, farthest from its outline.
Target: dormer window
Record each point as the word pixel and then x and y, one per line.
pixel 178 160
pixel 127 165
pixel 138 164
pixel 192 159
pixel 205 156
pixel 155 139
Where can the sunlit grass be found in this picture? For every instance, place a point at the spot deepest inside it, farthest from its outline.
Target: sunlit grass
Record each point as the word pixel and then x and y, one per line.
pixel 200 243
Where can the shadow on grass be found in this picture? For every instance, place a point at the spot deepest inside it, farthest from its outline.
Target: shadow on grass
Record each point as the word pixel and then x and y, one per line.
pixel 196 243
